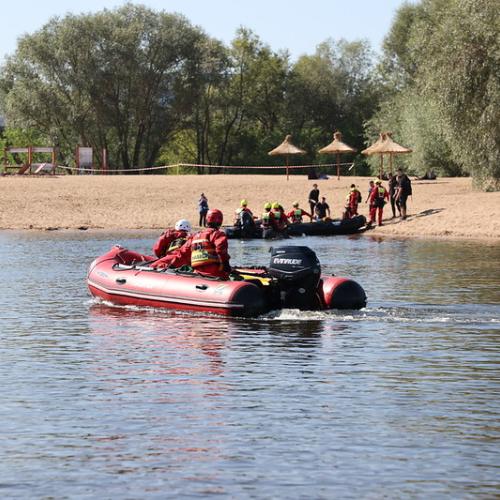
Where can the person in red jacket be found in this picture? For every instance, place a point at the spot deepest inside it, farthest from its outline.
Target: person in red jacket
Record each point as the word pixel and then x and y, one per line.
pixel 352 200
pixel 279 220
pixel 172 239
pixel 378 197
pixel 206 251
pixel 296 213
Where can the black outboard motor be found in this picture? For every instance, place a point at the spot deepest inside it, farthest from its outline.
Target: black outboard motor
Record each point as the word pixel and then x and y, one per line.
pixel 298 271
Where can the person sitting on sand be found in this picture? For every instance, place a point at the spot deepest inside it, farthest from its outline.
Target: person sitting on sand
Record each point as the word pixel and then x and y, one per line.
pixel 296 214
pixel 322 210
pixel 172 239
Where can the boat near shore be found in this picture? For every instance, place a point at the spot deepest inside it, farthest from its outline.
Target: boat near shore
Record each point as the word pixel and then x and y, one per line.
pixel 318 228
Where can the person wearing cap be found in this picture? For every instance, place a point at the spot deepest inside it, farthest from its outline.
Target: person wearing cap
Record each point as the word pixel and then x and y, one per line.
pixel 279 221
pixel 265 218
pixel 172 239
pixel 352 200
pixel 206 251
pixel 244 219
pixel 378 197
pixel 296 214
pixel 322 210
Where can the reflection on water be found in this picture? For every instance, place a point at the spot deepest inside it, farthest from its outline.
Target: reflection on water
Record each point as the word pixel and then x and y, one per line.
pixel 397 400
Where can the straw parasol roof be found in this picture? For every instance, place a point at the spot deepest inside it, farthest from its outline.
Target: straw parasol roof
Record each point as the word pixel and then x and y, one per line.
pixel 337 147
pixel 285 149
pixel 372 149
pixel 386 145
pixel 389 146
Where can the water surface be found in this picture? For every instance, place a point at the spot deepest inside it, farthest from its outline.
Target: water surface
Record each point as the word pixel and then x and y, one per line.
pixel 399 400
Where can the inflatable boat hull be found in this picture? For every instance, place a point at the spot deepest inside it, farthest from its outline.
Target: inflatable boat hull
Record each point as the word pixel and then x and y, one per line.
pixel 320 228
pixel 123 277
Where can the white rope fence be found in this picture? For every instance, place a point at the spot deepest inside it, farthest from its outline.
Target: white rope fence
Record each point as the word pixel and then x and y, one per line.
pixel 198 165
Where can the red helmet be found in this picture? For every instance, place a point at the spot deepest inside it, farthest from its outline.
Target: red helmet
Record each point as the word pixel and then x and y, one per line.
pixel 214 216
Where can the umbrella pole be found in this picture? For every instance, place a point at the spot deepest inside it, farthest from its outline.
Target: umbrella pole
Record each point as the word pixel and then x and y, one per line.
pixel 390 162
pixel 338 166
pixel 287 167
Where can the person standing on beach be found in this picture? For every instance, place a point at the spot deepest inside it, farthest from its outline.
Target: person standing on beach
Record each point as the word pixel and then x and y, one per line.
pixel 403 191
pixel 378 196
pixel 313 197
pixel 352 200
pixel 203 209
pixel 393 184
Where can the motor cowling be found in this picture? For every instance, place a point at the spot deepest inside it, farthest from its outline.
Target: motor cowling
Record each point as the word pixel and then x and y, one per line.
pixel 297 271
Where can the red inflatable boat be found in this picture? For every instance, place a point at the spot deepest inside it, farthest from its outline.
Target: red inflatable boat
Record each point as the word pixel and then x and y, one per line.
pixel 293 280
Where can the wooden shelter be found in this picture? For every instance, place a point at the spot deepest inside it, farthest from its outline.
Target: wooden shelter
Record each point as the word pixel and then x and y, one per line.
pixel 286 148
pixel 337 147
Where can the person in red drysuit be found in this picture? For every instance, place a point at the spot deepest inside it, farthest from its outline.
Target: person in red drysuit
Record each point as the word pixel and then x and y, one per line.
pixel 378 197
pixel 279 220
pixel 296 213
pixel 352 200
pixel 205 251
pixel 172 239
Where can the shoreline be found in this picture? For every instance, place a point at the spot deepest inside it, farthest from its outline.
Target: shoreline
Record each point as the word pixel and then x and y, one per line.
pixel 443 209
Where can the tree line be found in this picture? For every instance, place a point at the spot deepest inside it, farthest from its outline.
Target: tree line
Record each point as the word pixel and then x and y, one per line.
pixel 152 88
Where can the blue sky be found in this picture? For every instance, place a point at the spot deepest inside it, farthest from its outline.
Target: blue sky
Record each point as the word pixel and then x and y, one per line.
pixel 298 26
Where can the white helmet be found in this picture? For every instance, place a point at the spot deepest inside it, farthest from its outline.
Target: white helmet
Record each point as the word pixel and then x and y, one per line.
pixel 183 225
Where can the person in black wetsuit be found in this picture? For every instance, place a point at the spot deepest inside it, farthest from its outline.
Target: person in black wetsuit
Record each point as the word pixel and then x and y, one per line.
pixel 313 197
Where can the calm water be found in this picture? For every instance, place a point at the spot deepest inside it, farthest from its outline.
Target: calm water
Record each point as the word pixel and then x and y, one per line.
pixel 400 400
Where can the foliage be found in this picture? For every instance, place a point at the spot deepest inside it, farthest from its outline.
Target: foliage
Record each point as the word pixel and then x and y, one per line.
pixel 442 87
pixel 114 79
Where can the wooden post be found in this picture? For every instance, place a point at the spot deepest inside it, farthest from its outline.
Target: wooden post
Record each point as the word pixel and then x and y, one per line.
pixel 286 156
pixel 30 158
pixel 338 166
pixel 104 167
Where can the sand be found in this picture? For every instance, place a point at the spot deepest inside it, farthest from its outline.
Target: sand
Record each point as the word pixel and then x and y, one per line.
pixel 443 208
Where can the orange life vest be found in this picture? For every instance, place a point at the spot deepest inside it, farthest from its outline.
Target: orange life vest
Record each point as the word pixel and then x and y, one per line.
pixel 177 243
pixel 203 250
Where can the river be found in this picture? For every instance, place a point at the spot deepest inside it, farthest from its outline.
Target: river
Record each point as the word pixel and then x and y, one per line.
pixel 398 400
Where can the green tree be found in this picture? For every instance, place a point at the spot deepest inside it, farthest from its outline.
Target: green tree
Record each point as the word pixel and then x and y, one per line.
pixel 114 79
pixel 442 87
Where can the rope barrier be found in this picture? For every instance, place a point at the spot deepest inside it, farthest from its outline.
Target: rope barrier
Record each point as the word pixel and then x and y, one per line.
pixel 199 165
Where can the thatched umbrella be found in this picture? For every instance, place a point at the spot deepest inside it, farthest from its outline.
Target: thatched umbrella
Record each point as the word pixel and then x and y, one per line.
pixel 337 147
pixel 386 145
pixel 391 148
pixel 286 148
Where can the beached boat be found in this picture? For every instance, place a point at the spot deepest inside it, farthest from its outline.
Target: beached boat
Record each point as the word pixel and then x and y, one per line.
pixel 293 280
pixel 319 228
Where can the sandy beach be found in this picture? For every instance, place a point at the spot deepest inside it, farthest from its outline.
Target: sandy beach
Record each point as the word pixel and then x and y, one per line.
pixel 443 208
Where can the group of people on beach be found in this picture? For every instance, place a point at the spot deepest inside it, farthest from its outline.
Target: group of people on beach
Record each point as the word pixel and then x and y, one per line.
pixel 398 190
pixel 206 251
